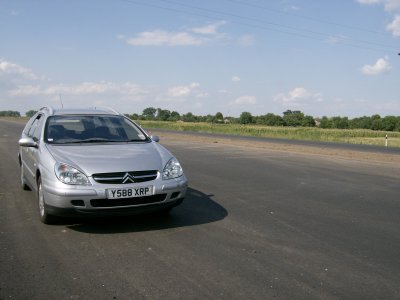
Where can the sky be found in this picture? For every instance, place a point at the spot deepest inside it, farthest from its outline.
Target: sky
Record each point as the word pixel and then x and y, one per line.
pixel 324 58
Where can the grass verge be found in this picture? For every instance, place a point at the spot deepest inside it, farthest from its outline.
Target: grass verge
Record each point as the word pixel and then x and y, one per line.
pixel 350 136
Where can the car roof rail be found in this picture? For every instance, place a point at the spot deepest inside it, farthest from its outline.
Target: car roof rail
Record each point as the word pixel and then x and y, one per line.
pixel 108 109
pixel 48 108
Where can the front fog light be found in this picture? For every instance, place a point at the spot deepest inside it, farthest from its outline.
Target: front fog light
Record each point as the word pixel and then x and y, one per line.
pixel 69 175
pixel 172 169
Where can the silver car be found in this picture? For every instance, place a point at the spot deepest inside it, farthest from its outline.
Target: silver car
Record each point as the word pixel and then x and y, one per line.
pixel 96 162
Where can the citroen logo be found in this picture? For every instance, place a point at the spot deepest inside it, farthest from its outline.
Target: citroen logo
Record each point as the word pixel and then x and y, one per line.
pixel 128 178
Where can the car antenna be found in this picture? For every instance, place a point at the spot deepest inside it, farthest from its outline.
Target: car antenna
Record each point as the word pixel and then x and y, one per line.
pixel 62 105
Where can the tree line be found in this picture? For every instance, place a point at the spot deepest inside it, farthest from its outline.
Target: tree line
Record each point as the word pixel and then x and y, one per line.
pixel 290 118
pixel 9 113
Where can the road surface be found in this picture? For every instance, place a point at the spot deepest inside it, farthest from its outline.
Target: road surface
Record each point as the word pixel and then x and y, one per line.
pixel 256 224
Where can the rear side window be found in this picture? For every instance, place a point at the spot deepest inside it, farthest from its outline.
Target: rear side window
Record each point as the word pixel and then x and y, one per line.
pixel 35 129
pixel 29 124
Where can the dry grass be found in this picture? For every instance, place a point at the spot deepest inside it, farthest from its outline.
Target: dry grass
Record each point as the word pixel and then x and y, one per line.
pixel 350 136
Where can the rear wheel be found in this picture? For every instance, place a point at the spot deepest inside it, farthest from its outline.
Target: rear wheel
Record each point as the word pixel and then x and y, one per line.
pixel 24 186
pixel 45 217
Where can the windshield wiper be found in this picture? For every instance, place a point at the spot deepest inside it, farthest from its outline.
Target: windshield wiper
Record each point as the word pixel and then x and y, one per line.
pixel 93 140
pixel 97 140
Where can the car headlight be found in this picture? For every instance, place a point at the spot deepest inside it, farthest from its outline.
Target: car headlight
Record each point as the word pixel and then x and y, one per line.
pixel 69 175
pixel 172 169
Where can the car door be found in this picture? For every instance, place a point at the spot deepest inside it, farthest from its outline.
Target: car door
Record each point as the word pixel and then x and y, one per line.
pixel 29 155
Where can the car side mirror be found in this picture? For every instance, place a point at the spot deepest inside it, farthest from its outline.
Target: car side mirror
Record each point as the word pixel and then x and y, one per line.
pixel 155 138
pixel 27 142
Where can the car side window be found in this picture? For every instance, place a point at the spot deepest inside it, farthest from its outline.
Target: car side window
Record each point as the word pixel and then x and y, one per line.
pixel 36 128
pixel 29 124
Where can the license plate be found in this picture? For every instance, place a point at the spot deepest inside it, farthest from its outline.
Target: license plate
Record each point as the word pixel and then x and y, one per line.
pixel 130 192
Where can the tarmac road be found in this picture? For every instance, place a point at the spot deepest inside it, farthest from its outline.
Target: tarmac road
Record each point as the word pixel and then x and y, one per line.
pixel 256 224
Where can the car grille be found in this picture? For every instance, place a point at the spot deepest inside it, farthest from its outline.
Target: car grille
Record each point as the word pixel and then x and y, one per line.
pixel 127 201
pixel 125 177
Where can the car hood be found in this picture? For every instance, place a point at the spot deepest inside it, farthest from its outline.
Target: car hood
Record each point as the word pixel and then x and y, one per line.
pixel 104 158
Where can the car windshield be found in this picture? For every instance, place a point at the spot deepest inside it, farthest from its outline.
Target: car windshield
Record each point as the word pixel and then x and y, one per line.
pixel 91 129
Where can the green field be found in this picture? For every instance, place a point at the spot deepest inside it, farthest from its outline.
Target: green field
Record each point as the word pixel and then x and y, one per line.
pixel 351 136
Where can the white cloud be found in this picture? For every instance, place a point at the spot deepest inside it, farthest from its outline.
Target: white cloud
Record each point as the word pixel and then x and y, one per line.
pixel 297 96
pixel 182 90
pixel 85 88
pixel 246 40
pixel 392 5
pixel 292 8
pixel 235 78
pixel 196 36
pixel 394 27
pixel 244 100
pixel 165 38
pixel 169 100
pixel 368 1
pixel 336 39
pixel 181 93
pixel 202 95
pixel 116 94
pixel 223 91
pixel 209 29
pixel 381 66
pixel 10 68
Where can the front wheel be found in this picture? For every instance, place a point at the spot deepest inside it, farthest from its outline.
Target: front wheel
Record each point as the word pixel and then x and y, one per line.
pixel 45 217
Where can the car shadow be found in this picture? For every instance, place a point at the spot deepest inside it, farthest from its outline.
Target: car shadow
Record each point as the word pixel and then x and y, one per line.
pixel 197 208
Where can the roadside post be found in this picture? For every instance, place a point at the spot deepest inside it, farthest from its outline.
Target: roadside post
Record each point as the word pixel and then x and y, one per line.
pixel 386 141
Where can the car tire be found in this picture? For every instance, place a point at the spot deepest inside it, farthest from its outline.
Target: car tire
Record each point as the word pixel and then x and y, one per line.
pixel 24 186
pixel 45 217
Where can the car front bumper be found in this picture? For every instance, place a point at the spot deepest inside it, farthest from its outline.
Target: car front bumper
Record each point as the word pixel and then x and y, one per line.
pixel 62 200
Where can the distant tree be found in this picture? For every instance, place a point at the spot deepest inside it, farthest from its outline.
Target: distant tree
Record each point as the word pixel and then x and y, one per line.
pixel 397 128
pixel 308 121
pixel 219 117
pixel 9 113
pixel 375 117
pixel 175 116
pixel 389 123
pixel 340 123
pixel 377 124
pixel 325 122
pixel 246 118
pixel 209 119
pixel 270 120
pixel 362 123
pixel 293 118
pixel 163 114
pixel 134 116
pixel 30 113
pixel 189 117
pixel 149 113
